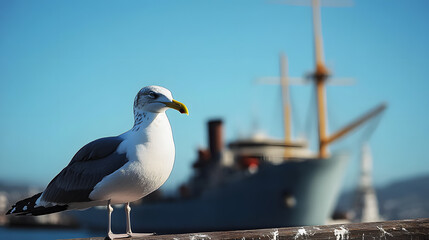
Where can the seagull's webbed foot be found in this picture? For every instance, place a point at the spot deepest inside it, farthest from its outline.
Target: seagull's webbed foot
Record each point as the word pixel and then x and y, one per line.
pixel 112 236
pixel 131 234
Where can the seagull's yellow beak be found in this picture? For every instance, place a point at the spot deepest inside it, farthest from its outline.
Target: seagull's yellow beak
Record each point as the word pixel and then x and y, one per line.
pixel 178 106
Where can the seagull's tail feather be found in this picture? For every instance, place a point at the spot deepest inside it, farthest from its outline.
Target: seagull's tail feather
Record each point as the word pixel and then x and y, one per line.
pixel 28 206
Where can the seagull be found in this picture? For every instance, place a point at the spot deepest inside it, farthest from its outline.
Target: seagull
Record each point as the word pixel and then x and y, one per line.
pixel 115 170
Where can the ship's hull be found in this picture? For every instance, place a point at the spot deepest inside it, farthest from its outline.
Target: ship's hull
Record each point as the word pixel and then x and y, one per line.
pixel 293 193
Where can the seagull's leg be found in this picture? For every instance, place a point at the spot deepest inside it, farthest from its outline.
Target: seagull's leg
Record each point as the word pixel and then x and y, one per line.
pixel 110 234
pixel 127 213
pixel 110 210
pixel 129 232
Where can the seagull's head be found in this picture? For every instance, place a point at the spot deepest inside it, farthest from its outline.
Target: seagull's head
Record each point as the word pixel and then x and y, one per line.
pixel 157 100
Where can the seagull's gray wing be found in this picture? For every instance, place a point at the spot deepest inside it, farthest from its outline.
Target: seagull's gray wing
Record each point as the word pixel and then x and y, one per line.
pixel 88 167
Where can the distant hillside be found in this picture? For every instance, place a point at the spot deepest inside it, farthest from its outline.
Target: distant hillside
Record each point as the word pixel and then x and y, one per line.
pixel 405 199
pixel 400 200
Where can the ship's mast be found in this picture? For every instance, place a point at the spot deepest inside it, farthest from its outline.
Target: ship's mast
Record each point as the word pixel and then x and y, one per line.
pixel 319 76
pixel 285 98
pixel 284 81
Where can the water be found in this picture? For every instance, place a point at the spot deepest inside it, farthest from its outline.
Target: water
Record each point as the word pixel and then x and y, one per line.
pixel 43 234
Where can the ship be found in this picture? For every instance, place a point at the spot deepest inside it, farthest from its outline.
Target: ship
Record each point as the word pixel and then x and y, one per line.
pixel 254 182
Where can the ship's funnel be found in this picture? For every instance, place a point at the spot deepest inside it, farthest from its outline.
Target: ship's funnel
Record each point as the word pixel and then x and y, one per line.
pixel 215 138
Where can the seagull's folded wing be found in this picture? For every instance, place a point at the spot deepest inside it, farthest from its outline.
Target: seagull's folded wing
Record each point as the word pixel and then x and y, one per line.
pixel 88 167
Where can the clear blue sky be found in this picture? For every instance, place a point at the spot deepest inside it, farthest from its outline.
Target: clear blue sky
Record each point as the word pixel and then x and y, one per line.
pixel 69 72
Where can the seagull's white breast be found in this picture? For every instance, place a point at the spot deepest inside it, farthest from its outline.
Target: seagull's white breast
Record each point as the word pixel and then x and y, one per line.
pixel 150 152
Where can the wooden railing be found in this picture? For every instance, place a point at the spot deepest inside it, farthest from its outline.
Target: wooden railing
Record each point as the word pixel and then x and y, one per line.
pixel 414 229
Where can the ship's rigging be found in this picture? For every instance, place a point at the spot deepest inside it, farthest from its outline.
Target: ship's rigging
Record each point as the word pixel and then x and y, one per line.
pixel 319 78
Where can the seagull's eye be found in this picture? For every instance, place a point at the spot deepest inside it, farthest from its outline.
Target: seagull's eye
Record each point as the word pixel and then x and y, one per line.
pixel 153 95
